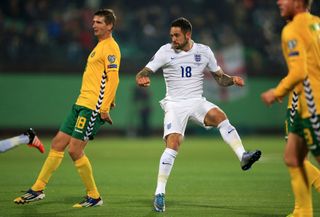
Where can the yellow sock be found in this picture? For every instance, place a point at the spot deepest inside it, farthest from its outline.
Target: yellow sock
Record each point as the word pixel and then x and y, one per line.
pixel 313 174
pixel 301 191
pixel 85 170
pixel 50 165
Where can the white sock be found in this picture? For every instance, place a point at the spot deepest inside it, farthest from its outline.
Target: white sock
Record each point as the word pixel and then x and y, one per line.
pixel 8 144
pixel 165 166
pixel 231 137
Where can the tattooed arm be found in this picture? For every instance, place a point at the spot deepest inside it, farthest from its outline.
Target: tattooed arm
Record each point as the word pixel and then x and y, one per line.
pixel 226 80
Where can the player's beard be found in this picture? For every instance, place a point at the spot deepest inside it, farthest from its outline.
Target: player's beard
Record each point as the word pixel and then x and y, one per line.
pixel 181 46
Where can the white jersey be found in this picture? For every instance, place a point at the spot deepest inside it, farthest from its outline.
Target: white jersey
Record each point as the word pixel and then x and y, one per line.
pixel 183 71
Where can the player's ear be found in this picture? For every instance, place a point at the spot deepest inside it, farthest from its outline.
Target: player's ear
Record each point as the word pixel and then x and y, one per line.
pixel 188 35
pixel 110 26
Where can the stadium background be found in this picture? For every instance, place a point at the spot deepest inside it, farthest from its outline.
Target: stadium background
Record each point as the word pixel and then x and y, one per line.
pixel 44 45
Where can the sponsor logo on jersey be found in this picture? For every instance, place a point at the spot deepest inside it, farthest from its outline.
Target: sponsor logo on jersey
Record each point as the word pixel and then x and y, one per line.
pixel 197 57
pixel 111 58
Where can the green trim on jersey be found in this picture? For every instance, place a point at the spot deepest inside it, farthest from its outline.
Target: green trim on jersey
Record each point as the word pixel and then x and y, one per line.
pixel 76 122
pixel 303 128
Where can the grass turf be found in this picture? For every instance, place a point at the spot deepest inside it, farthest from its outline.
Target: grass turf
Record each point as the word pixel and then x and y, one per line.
pixel 205 181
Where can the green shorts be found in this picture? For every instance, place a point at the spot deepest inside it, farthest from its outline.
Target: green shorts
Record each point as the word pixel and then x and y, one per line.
pixel 303 128
pixel 77 121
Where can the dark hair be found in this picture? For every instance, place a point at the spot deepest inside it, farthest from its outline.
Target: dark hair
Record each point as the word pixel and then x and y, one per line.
pixel 183 23
pixel 108 14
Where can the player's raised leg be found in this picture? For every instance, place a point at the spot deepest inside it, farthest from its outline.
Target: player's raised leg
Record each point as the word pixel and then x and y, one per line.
pixel 217 118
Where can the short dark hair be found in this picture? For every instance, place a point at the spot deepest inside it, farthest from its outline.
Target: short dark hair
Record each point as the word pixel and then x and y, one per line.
pixel 183 23
pixel 108 14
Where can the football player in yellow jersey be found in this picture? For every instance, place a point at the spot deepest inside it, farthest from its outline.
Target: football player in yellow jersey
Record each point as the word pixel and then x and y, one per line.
pixel 301 49
pixel 91 110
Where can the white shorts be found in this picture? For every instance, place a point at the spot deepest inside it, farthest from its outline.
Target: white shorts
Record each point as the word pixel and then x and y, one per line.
pixel 178 113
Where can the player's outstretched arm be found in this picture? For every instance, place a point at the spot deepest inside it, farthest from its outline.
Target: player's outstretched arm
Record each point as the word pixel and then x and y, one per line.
pixel 142 78
pixel 226 80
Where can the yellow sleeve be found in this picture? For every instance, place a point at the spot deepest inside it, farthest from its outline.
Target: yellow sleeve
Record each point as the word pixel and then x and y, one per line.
pixel 110 90
pixel 294 50
pixel 112 64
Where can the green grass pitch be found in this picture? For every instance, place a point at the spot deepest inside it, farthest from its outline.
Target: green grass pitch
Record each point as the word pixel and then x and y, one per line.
pixel 206 180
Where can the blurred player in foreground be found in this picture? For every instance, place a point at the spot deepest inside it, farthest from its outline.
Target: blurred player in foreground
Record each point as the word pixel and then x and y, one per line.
pixel 301 49
pixel 183 63
pixel 29 137
pixel 91 110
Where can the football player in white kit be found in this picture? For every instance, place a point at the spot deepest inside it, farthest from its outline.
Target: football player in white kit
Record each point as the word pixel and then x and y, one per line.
pixel 183 63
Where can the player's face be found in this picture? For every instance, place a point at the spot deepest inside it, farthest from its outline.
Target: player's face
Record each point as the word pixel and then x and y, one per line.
pixel 286 8
pixel 179 39
pixel 100 28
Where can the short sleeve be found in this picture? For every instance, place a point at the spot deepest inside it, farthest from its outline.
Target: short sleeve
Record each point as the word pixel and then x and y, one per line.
pixel 157 61
pixel 212 65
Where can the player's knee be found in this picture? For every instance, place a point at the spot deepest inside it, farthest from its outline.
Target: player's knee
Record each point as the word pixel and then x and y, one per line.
pixel 173 141
pixel 74 153
pixel 59 143
pixel 173 144
pixel 214 117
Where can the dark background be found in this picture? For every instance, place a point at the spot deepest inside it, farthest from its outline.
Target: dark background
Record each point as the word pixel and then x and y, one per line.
pixel 44 46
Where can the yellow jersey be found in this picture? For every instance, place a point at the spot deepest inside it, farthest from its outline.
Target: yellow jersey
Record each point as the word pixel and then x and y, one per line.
pixel 301 49
pixel 101 76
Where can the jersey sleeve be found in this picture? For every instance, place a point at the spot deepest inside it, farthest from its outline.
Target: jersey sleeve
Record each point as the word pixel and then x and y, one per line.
pixel 294 51
pixel 112 58
pixel 157 61
pixel 212 65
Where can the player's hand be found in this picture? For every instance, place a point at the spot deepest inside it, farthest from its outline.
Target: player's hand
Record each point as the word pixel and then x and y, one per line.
pixel 113 105
pixel 238 81
pixel 106 117
pixel 143 81
pixel 268 97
